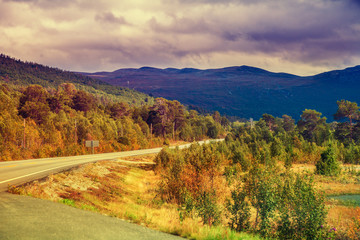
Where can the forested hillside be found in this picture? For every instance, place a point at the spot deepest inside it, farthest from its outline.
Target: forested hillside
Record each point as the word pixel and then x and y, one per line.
pixel 19 73
pixel 36 122
pixel 47 112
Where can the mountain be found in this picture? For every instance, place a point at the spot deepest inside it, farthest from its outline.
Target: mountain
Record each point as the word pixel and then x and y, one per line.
pixel 243 91
pixel 21 73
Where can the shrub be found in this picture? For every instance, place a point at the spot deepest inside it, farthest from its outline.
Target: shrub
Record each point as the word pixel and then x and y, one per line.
pixel 239 210
pixel 328 164
pixel 207 208
pixel 287 205
pixel 301 209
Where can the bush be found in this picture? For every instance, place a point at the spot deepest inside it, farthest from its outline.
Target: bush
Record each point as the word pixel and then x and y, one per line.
pixel 287 205
pixel 352 154
pixel 207 208
pixel 301 209
pixel 239 210
pixel 328 164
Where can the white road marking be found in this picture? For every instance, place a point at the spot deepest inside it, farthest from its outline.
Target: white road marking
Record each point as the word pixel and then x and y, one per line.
pixel 28 175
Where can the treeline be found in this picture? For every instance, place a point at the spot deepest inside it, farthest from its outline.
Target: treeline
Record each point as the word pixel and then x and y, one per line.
pixel 303 141
pixel 246 181
pixel 46 122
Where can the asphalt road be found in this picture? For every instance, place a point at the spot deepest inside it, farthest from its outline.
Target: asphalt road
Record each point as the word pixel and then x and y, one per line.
pixel 15 173
pixel 26 218
pixel 19 172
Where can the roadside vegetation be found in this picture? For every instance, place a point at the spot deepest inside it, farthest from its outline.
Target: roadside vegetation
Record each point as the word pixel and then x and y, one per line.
pixel 133 192
pixel 127 191
pixel 249 182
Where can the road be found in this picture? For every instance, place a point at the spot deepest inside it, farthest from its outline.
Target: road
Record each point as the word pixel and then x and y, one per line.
pixel 18 172
pixel 26 218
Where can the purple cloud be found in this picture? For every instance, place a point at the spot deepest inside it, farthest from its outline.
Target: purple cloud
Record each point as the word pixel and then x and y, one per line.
pixel 85 35
pixel 109 17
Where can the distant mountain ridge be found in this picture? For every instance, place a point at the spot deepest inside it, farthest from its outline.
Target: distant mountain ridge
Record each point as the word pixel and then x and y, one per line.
pixel 243 91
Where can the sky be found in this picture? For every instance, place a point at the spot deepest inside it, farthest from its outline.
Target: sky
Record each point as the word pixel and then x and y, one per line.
pixel 302 37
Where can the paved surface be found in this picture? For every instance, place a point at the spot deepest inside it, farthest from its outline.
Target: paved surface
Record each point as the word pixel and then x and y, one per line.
pixel 19 172
pixel 26 218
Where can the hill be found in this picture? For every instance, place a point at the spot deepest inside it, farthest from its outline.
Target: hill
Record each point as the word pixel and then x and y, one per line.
pixel 47 112
pixel 21 73
pixel 243 91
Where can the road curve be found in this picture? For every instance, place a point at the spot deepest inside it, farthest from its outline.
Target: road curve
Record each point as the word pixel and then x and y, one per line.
pixel 15 173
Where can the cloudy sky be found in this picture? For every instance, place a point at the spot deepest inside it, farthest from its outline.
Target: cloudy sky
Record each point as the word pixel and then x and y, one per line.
pixel 303 37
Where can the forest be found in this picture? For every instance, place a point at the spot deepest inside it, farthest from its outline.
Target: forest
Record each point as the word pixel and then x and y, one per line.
pixel 248 184
pixel 40 122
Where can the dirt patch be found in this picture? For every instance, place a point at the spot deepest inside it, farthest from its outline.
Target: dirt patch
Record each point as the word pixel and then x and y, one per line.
pixel 79 180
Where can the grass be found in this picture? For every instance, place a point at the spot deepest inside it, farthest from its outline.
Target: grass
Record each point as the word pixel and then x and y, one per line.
pixel 348 182
pixel 68 202
pixel 218 233
pixel 352 200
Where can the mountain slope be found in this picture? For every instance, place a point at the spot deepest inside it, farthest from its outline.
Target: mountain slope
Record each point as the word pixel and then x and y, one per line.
pixel 243 91
pixel 25 73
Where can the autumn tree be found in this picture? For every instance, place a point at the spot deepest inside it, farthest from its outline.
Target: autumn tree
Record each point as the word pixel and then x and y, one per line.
pixel 167 115
pixel 83 101
pixel 34 104
pixel 217 117
pixel 118 110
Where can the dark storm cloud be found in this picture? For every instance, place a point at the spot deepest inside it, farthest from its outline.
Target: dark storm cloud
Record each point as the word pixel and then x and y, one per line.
pixel 330 32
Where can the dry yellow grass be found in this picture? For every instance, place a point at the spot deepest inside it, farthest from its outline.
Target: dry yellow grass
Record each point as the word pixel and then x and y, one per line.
pixel 345 183
pixel 341 217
